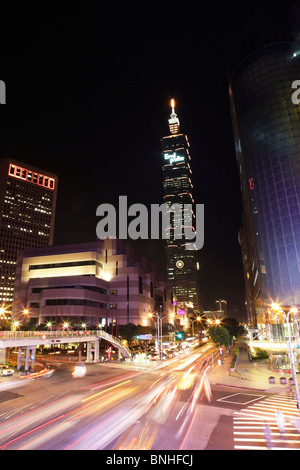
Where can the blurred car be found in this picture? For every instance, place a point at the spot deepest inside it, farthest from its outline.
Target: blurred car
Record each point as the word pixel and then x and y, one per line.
pixel 6 370
pixel 153 357
pixel 79 370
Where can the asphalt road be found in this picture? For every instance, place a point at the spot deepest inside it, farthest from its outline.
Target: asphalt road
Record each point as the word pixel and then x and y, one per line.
pixel 169 407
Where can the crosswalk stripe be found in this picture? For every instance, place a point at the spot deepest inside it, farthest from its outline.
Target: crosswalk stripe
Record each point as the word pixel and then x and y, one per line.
pixel 262 433
pixel 262 448
pixel 249 425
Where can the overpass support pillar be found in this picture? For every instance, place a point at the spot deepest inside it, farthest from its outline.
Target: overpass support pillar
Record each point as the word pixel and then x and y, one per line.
pixel 92 351
pixel 26 355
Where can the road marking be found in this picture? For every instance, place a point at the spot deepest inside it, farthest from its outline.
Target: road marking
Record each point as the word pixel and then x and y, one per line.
pixel 257 397
pixel 250 425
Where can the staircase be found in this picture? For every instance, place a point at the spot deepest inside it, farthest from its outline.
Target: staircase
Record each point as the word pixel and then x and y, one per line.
pixel 115 342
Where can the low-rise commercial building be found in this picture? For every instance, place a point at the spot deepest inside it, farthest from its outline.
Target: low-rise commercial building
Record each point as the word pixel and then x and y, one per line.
pixel 98 283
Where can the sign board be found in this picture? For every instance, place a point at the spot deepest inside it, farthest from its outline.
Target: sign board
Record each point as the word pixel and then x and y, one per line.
pixel 181 312
pixel 146 336
pixel 174 158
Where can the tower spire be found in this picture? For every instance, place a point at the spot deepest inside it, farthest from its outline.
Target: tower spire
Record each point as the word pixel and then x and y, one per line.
pixel 174 124
pixel 173 107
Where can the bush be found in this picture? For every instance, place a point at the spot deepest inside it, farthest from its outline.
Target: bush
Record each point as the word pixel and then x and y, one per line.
pixel 235 355
pixel 259 354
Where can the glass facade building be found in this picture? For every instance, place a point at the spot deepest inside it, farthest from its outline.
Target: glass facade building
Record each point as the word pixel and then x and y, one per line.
pixel 263 63
pixel 182 264
pixel 267 139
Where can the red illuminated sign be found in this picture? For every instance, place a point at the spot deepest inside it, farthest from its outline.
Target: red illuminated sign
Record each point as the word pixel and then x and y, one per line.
pixel 31 176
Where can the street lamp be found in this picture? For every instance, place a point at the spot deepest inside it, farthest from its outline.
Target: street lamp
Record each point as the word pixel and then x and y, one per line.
pixel 15 325
pixel 2 313
pixel 159 330
pixel 276 307
pixel 193 321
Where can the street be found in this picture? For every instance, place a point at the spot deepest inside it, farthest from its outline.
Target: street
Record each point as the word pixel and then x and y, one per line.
pixel 118 407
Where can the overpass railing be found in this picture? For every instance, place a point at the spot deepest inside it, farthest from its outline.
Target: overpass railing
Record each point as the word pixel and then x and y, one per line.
pixel 47 334
pixel 63 333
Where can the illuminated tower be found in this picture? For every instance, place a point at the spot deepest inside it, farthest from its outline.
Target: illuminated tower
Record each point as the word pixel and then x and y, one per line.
pixel 27 211
pixel 182 264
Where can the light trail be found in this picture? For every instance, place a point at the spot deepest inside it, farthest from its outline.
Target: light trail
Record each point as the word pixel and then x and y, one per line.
pixel 104 391
pixel 135 412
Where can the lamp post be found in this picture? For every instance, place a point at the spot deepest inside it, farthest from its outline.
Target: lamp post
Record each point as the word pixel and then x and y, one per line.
pixel 289 345
pixel 193 321
pixel 2 313
pixel 159 323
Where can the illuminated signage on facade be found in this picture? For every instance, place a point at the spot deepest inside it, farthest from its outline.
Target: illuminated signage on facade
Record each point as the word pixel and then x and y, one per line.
pixel 28 175
pixel 174 158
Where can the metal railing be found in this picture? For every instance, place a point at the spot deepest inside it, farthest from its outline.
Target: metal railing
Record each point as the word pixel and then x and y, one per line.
pixel 62 333
pixel 52 334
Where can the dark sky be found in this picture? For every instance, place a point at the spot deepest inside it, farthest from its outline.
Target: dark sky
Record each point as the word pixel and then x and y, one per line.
pixel 88 92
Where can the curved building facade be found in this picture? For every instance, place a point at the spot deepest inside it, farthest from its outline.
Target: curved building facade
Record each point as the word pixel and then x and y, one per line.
pixel 267 139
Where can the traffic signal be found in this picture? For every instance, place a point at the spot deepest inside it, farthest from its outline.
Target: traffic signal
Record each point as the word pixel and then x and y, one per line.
pixel 138 336
pixel 179 335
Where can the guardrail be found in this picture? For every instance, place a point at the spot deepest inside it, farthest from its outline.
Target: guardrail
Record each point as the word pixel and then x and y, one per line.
pixel 47 334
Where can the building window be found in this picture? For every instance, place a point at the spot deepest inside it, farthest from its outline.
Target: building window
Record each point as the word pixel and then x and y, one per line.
pixel 65 265
pixel 82 302
pixel 117 268
pixel 34 305
pixel 140 285
pixel 151 289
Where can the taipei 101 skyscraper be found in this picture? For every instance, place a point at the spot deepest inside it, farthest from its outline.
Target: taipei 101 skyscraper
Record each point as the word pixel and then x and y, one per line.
pixel 182 264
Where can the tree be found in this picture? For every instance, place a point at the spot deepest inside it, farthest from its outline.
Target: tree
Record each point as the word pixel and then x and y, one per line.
pixel 219 335
pixel 130 331
pixel 235 329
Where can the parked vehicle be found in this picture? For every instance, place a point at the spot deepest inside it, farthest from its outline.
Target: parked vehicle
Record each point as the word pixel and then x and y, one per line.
pixel 6 370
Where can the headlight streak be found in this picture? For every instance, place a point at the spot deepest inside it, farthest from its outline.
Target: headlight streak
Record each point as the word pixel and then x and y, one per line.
pixel 122 407
pixel 83 411
pixel 106 382
pixel 29 432
pixel 38 414
pixel 104 391
pixel 13 425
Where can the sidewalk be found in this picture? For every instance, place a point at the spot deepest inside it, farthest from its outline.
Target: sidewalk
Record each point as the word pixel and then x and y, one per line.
pixel 248 374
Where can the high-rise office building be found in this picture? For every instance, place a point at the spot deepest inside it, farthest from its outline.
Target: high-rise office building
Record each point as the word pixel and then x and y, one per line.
pixel 263 63
pixel 27 212
pixel 182 264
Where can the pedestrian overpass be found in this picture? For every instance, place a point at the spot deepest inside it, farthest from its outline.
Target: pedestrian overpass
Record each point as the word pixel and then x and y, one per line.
pixel 26 342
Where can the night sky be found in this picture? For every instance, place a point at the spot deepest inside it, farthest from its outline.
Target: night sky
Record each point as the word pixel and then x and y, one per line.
pixel 88 93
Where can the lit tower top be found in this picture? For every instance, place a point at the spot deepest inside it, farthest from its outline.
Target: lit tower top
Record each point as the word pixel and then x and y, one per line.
pixel 174 121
